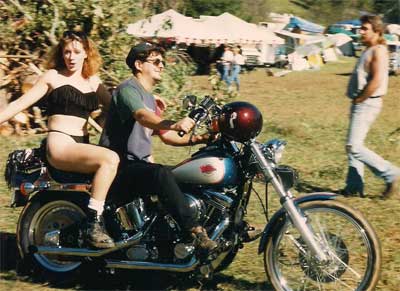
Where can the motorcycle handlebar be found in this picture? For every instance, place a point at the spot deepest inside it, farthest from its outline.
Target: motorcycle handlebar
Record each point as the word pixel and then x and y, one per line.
pixel 197 115
pixel 200 112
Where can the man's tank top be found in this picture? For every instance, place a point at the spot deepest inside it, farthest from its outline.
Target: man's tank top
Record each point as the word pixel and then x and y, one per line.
pixel 361 75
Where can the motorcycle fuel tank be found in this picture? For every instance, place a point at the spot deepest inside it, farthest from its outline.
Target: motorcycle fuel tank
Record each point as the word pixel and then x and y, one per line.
pixel 206 170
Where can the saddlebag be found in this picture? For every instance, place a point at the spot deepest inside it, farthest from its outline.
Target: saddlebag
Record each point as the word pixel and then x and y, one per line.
pixel 21 165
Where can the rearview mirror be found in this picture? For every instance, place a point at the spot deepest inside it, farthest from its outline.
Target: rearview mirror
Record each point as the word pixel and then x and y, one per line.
pixel 189 101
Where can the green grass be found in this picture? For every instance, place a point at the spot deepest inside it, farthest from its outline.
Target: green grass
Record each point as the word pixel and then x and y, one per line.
pixel 309 110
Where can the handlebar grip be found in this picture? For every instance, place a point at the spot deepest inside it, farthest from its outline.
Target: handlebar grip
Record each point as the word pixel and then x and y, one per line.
pixel 181 133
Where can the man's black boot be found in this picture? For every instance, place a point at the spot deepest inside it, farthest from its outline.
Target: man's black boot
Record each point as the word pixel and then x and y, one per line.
pixel 202 240
pixel 95 234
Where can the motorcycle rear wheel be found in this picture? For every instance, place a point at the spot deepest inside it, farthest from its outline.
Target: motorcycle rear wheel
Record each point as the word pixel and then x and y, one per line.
pixel 353 249
pixel 41 217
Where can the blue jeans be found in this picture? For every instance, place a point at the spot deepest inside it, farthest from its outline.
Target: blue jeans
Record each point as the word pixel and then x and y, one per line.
pixel 361 118
pixel 225 75
pixel 235 76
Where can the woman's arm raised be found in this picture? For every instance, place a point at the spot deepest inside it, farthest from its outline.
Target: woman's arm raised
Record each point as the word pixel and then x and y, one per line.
pixel 29 98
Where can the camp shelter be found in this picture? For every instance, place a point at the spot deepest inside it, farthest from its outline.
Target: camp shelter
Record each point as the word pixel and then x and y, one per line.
pixel 171 25
pixel 304 25
pixel 393 29
pixel 333 29
pixel 225 28
pixel 344 43
pixel 352 22
pixel 297 62
pixel 294 40
pixel 209 30
pixel 233 29
pixel 269 45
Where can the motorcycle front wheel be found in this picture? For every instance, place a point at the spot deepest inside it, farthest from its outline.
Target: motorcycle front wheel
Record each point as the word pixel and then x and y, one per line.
pixel 41 223
pixel 354 253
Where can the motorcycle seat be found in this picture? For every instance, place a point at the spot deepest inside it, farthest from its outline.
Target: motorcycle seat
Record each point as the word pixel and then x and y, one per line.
pixel 63 177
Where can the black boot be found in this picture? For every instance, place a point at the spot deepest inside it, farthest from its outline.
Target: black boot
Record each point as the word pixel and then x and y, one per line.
pixel 95 234
pixel 202 240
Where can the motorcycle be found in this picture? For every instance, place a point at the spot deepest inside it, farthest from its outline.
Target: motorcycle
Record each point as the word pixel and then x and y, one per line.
pixel 313 242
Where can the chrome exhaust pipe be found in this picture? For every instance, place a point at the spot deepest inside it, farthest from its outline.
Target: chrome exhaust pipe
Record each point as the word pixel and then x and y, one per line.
pixel 79 252
pixel 220 228
pixel 136 265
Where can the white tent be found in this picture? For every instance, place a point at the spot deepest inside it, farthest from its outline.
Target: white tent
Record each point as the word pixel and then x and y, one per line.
pixel 225 28
pixel 339 38
pixel 233 29
pixel 169 24
pixel 393 28
pixel 306 38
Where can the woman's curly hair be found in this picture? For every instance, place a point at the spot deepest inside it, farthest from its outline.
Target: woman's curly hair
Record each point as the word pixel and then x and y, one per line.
pixel 91 64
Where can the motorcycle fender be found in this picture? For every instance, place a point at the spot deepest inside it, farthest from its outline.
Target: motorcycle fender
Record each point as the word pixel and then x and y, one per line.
pixel 278 219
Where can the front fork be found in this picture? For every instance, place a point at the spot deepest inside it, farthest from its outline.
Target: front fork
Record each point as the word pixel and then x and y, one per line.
pixel 297 217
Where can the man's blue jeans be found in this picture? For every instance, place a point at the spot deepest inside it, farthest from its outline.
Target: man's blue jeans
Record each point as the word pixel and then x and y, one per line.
pixel 361 118
pixel 235 76
pixel 226 70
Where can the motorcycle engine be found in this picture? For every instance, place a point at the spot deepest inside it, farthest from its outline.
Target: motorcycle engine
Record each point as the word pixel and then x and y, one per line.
pixel 197 207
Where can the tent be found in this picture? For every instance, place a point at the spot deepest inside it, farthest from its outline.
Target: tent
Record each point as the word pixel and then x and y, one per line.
pixel 225 28
pixel 344 43
pixel 232 29
pixel 393 28
pixel 304 25
pixel 169 24
pixel 332 29
pixel 352 22
pixel 295 39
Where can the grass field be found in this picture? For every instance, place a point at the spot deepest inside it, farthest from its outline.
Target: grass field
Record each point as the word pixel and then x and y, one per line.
pixel 308 110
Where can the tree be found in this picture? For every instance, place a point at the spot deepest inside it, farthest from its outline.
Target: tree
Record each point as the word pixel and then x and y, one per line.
pixel 390 9
pixel 195 8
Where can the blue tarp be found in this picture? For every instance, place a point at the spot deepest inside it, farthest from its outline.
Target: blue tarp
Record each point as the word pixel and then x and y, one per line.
pixel 354 22
pixel 304 25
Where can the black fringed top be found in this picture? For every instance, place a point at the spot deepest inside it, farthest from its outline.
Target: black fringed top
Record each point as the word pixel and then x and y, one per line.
pixel 68 100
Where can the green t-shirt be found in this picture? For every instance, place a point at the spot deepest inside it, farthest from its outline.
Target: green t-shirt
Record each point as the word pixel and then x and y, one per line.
pixel 122 133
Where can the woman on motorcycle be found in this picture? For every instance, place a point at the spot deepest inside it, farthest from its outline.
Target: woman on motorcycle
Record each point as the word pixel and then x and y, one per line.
pixel 73 91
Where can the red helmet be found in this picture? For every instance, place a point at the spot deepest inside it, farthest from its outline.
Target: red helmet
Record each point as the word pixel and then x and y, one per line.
pixel 240 121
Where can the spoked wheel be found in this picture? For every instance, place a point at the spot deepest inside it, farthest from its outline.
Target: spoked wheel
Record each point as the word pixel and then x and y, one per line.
pixel 51 224
pixel 354 255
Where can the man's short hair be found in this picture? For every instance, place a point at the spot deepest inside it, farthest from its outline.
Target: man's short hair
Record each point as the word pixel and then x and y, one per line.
pixel 141 52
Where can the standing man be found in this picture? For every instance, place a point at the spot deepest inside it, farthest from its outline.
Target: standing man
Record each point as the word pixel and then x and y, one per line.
pixel 227 59
pixel 237 63
pixel 133 118
pixel 368 84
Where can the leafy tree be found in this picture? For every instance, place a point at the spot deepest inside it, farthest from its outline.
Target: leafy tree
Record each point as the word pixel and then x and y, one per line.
pixel 29 28
pixel 330 11
pixel 390 9
pixel 195 8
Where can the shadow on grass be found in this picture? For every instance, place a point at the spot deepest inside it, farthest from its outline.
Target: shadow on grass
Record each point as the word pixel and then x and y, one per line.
pixel 344 74
pixel 8 251
pixel 235 284
pixel 306 187
pixel 91 279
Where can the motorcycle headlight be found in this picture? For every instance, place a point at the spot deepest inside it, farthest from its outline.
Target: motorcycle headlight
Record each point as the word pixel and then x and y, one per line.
pixel 273 150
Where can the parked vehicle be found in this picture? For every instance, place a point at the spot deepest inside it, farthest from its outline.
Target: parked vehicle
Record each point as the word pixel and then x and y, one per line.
pixel 252 58
pixel 394 57
pixel 312 242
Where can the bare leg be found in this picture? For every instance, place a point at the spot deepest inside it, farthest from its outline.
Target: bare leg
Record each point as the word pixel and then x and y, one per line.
pixel 67 155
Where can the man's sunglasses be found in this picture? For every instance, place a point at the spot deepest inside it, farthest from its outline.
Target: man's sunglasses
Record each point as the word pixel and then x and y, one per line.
pixel 74 34
pixel 156 62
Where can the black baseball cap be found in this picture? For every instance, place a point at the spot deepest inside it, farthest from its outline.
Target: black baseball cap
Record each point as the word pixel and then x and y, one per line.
pixel 140 52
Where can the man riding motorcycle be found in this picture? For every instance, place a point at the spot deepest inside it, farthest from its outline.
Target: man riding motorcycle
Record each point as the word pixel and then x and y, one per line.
pixel 134 116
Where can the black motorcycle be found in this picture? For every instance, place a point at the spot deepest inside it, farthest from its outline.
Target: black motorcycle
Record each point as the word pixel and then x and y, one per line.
pixel 312 242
